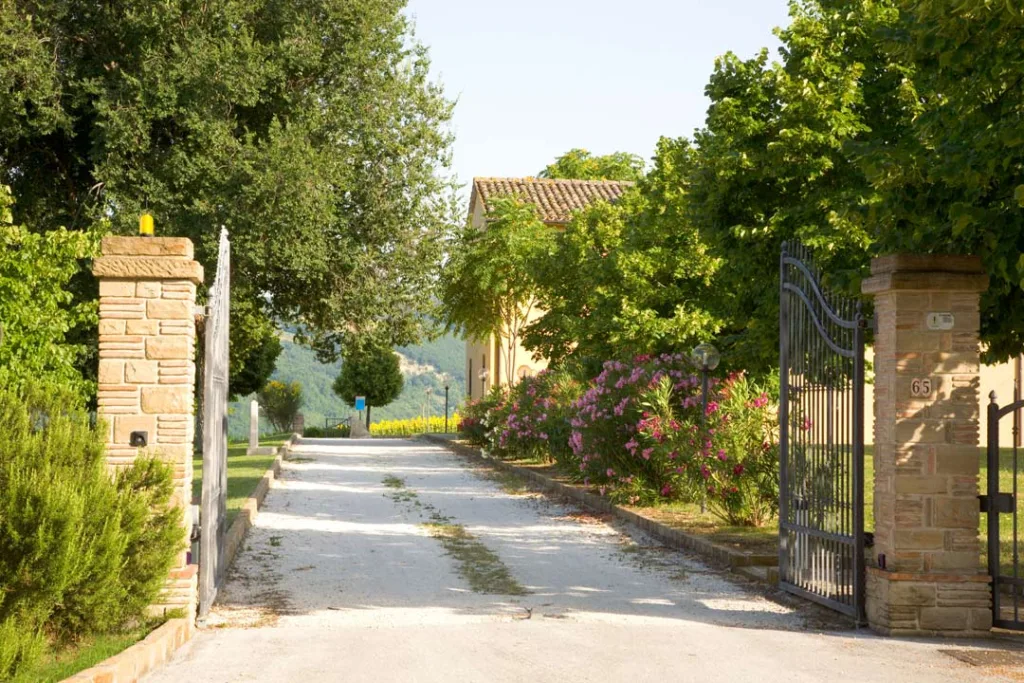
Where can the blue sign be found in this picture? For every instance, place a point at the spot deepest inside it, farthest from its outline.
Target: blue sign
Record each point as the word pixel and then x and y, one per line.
pixel 360 403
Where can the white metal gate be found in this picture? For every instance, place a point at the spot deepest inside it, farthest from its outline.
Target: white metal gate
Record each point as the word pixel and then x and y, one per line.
pixel 215 370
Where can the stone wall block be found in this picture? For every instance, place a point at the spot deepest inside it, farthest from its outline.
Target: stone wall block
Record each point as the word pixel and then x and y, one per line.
pixel 140 372
pixel 162 399
pixel 117 288
pixel 111 371
pixel 164 309
pixel 146 328
pixel 169 348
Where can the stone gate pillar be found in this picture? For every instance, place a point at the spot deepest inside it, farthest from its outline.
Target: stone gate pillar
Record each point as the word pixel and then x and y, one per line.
pixel 924 575
pixel 147 367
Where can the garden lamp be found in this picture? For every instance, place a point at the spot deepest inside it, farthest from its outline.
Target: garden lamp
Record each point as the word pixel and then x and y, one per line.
pixel 706 357
pixel 483 380
pixel 446 380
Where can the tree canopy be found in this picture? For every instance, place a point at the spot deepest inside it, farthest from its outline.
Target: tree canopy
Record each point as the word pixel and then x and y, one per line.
pixel 372 371
pixel 281 403
pixel 311 130
pixel 627 278
pixel 579 164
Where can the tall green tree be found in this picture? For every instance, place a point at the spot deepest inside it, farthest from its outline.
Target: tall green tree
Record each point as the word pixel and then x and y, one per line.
pixel 488 287
pixel 627 278
pixel 953 181
pixel 311 130
pixel 579 164
pixel 373 371
pixel 776 160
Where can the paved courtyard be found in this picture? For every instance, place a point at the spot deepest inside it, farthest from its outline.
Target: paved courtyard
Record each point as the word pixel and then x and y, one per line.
pixel 395 560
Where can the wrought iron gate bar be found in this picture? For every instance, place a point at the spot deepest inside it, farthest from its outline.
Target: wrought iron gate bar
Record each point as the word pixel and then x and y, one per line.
pixel 998 502
pixel 811 281
pixel 846 353
pixel 821 413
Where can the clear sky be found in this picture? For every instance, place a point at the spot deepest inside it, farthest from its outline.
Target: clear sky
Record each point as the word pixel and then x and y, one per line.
pixel 535 78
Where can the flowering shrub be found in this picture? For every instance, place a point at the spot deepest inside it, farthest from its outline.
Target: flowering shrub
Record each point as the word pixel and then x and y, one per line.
pixel 533 422
pixel 730 458
pixel 474 425
pixel 609 419
pixel 639 434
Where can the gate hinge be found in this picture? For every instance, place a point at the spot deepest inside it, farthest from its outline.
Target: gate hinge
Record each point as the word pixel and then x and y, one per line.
pixel 200 311
pixel 1000 502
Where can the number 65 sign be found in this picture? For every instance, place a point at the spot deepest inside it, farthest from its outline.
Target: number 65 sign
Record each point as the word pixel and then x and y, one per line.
pixel 921 386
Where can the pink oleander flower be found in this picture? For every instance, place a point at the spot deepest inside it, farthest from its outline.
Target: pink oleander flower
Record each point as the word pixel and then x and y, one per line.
pixel 610 472
pixel 722 455
pixel 704 471
pixel 737 470
pixel 666 490
pixel 646 453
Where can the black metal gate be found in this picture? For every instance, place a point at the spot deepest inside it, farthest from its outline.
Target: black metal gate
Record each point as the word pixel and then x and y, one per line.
pixel 215 368
pixel 821 439
pixel 1003 562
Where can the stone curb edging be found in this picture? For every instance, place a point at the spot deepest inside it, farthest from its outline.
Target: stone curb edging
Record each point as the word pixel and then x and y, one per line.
pixel 144 656
pixel 735 560
pixel 157 648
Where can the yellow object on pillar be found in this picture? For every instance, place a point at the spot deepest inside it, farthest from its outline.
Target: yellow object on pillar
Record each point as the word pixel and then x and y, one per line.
pixel 146 225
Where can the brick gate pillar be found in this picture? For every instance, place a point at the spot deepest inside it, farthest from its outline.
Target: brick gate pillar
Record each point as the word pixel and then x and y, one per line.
pixel 924 575
pixel 147 367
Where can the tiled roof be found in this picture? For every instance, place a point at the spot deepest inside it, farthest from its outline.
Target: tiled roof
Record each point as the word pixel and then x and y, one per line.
pixel 555 199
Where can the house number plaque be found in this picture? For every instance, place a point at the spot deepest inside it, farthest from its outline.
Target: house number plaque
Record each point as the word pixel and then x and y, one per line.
pixel 940 321
pixel 921 387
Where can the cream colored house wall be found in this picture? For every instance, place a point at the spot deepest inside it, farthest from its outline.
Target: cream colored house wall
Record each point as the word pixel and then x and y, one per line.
pixel 998 378
pixel 486 354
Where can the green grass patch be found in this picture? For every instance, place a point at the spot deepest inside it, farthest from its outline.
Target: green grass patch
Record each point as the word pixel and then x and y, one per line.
pixel 478 564
pixel 61 664
pixel 244 472
pixel 511 483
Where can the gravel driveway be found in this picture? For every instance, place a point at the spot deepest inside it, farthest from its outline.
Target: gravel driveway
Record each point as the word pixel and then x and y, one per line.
pixel 393 560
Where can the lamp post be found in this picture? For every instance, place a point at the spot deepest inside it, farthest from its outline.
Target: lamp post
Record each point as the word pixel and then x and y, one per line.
pixel 483 381
pixel 446 407
pixel 428 408
pixel 706 357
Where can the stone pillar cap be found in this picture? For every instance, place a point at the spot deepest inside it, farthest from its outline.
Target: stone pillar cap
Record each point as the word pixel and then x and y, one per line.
pixel 116 245
pixel 147 258
pixel 926 272
pixel 931 263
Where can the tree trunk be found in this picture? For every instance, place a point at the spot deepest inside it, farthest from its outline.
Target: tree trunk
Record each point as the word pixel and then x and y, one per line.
pixel 367 417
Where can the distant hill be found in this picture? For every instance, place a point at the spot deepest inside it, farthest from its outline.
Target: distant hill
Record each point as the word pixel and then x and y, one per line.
pixel 422 366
